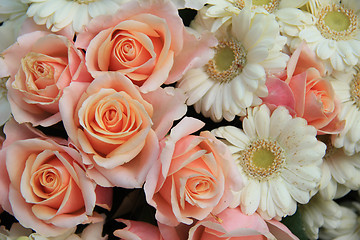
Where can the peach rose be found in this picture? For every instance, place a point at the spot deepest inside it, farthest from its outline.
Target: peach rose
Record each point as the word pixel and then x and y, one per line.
pixel 47 187
pixel 146 41
pixel 118 127
pixel 233 224
pixel 40 66
pixel 306 93
pixel 193 177
pixel 138 230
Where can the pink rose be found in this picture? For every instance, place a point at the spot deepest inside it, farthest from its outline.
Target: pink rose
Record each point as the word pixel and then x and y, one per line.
pixel 40 66
pixel 306 93
pixel 47 188
pixel 233 224
pixel 144 40
pixel 138 230
pixel 118 127
pixel 193 177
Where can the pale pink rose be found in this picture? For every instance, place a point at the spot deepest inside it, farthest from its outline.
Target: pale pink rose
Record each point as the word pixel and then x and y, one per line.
pixel 118 127
pixel 193 177
pixel 146 41
pixel 40 66
pixel 306 92
pixel 138 230
pixel 232 224
pixel 47 189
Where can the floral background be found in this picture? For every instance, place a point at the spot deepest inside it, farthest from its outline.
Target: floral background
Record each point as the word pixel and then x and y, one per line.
pixel 176 119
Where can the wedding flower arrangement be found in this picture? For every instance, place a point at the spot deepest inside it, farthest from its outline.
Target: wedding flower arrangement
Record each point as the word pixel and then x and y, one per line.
pixel 179 119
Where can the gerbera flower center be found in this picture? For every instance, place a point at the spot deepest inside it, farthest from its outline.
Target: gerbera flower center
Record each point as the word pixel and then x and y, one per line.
pixel 228 62
pixel 269 5
pixel 337 23
pixel 355 89
pixel 240 4
pixel 262 159
pixel 84 1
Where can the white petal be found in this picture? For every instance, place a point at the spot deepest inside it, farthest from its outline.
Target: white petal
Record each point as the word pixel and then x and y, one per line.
pixel 250 197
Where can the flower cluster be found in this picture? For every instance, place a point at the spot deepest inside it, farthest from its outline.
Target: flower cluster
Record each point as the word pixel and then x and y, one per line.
pixel 177 119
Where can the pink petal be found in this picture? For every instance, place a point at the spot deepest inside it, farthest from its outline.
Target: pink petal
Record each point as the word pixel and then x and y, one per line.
pixel 298 87
pixel 166 114
pixel 280 94
pixel 301 60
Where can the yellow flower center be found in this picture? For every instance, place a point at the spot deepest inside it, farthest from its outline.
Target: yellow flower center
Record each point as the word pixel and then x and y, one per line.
pixel 228 62
pixel 355 89
pixel 337 23
pixel 262 159
pixel 269 5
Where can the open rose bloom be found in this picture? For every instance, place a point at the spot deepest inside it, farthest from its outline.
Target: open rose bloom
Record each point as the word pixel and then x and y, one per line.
pixel 40 66
pixel 193 177
pixel 144 40
pixel 118 127
pixel 232 224
pixel 306 92
pixel 45 186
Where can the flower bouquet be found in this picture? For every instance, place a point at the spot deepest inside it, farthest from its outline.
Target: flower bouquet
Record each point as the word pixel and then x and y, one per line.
pixel 175 120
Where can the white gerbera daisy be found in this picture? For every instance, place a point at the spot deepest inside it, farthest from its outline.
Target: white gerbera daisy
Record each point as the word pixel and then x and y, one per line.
pixel 235 78
pixel 279 158
pixel 349 227
pixel 340 172
pixel 333 33
pixel 347 88
pixel 58 14
pixel 13 15
pixel 11 9
pixel 319 213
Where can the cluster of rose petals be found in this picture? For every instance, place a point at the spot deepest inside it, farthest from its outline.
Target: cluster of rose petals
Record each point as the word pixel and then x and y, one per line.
pixel 306 92
pixel 39 72
pixel 146 41
pixel 193 177
pixel 118 127
pixel 43 183
pixel 233 224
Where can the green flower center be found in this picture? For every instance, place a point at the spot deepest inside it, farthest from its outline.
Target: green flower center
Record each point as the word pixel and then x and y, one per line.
pixel 223 58
pixel 337 23
pixel 228 62
pixel 262 159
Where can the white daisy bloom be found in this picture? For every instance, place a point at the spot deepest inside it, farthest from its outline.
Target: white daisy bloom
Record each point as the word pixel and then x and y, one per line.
pixel 333 33
pixel 349 227
pixel 279 158
pixel 222 10
pixel 340 172
pixel 11 9
pixel 235 78
pixel 58 14
pixel 13 15
pixel 319 213
pixel 347 89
